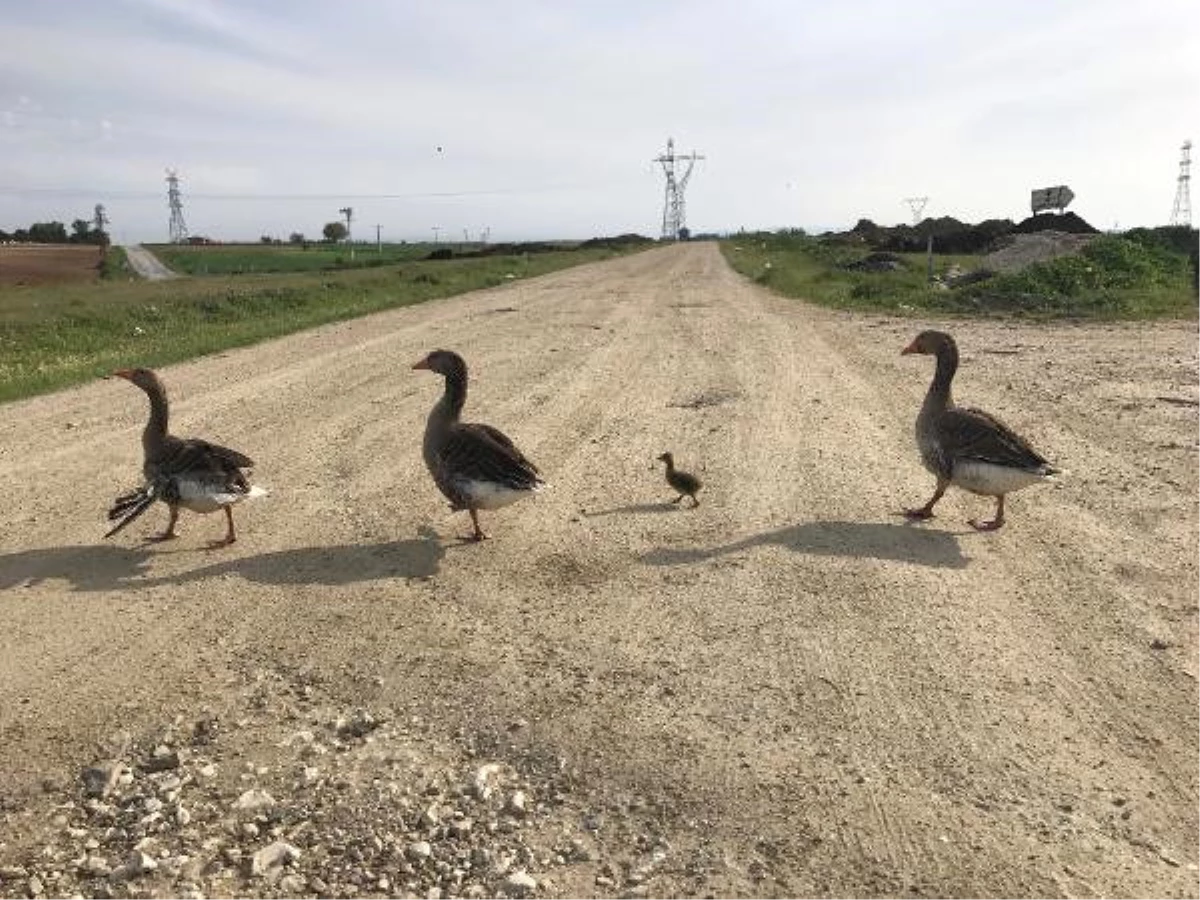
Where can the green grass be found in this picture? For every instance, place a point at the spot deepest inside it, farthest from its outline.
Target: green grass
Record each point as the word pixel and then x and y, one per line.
pixel 241 259
pixel 1113 278
pixel 116 265
pixel 56 336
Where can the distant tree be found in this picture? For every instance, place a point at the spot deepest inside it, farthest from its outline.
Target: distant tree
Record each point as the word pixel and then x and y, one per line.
pixel 81 231
pixel 266 239
pixel 334 232
pixel 296 238
pixel 48 233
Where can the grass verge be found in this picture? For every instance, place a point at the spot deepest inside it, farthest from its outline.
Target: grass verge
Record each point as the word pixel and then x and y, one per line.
pixel 54 337
pixel 1114 277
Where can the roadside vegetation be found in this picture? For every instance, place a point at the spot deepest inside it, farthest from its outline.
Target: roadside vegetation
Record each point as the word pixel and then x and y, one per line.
pixel 1143 273
pixel 114 266
pixel 244 259
pixel 54 336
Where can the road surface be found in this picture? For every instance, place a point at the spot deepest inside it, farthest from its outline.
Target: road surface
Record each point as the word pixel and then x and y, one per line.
pixel 147 264
pixel 793 689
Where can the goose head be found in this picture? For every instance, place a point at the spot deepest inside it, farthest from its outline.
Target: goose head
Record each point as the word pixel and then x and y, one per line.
pixel 446 363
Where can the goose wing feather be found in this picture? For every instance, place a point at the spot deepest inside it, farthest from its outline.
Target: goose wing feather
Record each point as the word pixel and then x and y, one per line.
pixel 195 457
pixel 482 453
pixel 972 434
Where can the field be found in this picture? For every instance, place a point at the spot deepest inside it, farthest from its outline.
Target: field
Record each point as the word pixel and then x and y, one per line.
pixel 48 264
pixel 52 336
pixel 237 259
pixel 787 691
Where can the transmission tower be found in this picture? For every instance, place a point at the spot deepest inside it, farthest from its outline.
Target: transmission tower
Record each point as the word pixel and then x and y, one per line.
pixel 178 228
pixel 917 205
pixel 99 218
pixel 1181 213
pixel 674 223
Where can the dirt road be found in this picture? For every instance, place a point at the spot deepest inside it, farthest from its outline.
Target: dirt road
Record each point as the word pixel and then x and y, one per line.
pixel 787 691
pixel 146 263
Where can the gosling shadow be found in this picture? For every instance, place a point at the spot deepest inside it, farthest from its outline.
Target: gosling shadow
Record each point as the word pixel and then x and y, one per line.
pixel 106 567
pixel 876 540
pixel 635 508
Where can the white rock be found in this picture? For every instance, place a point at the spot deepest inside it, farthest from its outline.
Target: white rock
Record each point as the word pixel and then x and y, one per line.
pixel 519 884
pixel 138 864
pixel 517 803
pixel 269 861
pixel 485 779
pixel 254 800
pixel 418 851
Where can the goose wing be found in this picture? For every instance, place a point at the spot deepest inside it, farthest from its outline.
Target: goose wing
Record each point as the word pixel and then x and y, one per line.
pixel 474 452
pixel 972 434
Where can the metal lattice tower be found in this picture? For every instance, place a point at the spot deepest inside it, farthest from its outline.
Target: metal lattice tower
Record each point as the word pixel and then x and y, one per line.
pixel 1181 213
pixel 178 228
pixel 674 215
pixel 917 205
pixel 99 218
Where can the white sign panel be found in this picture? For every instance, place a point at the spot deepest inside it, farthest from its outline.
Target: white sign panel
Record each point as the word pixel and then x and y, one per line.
pixel 1051 198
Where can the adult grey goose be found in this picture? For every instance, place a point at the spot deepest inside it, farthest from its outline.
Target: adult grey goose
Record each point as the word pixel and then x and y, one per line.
pixel 475 465
pixel 687 484
pixel 965 447
pixel 186 473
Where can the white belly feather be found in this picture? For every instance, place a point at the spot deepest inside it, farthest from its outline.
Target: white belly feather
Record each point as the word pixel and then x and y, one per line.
pixel 204 497
pixel 486 495
pixel 992 480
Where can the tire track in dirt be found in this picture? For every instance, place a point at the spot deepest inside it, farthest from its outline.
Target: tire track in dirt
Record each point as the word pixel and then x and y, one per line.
pixel 813 696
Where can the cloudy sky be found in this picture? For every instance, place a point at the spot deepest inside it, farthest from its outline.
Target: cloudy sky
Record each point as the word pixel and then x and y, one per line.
pixel 542 119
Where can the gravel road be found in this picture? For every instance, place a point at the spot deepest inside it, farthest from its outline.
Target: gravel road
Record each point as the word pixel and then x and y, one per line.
pixel 786 691
pixel 147 264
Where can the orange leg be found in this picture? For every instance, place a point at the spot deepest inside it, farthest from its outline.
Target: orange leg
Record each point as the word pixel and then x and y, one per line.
pixel 169 534
pixel 230 534
pixel 926 511
pixel 478 535
pixel 995 523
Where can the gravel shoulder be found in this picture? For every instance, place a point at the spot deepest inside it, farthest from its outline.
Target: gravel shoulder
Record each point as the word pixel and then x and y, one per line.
pixel 787 691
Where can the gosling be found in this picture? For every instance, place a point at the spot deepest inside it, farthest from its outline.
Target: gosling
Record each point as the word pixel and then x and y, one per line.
pixel 685 482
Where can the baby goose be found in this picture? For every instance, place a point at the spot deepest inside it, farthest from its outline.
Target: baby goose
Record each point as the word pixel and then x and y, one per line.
pixel 685 482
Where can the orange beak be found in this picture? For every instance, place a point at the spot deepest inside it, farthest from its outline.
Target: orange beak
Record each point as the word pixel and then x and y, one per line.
pixel 911 348
pixel 423 364
pixel 127 374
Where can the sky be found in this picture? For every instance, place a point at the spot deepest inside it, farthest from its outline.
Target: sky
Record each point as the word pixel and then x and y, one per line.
pixel 535 120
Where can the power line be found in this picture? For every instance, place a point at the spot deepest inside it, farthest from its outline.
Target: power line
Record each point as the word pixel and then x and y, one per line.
pixel 148 195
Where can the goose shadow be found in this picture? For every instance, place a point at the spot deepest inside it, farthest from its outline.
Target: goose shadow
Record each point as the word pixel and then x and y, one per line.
pixel 877 540
pixel 105 567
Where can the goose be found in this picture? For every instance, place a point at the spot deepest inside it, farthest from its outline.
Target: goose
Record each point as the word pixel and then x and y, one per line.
pixel 965 447
pixel 685 482
pixel 476 466
pixel 185 473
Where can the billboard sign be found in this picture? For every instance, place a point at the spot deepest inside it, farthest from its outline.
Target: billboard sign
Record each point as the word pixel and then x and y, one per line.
pixel 1051 198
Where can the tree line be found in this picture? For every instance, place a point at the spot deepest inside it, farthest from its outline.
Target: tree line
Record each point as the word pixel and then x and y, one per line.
pixel 82 232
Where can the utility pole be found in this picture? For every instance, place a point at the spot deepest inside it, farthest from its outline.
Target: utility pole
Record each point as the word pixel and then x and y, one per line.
pixel 348 212
pixel 436 229
pixel 177 228
pixel 917 205
pixel 379 239
pixel 99 220
pixel 674 224
pixel 1181 213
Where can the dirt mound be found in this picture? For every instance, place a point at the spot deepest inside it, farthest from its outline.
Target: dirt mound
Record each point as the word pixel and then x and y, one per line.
pixel 1066 222
pixel 1026 249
